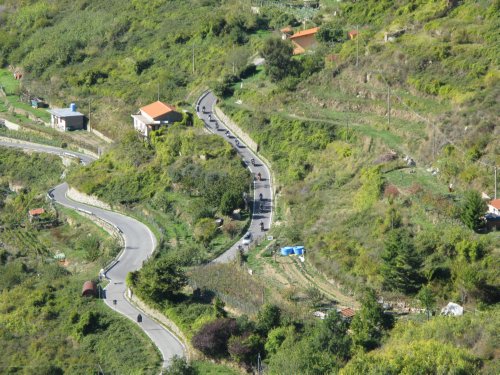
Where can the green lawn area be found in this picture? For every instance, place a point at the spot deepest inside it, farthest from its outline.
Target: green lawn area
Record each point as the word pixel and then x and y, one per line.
pixel 402 178
pixel 209 368
pixel 11 88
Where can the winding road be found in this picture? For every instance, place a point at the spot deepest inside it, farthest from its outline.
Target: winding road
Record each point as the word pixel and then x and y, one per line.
pixel 208 100
pixel 140 241
pixel 139 244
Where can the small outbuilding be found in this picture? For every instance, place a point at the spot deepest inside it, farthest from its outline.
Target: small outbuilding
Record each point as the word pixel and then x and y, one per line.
pixel 89 289
pixel 304 40
pixel 64 119
pixel 35 214
pixel 38 103
pixel 347 313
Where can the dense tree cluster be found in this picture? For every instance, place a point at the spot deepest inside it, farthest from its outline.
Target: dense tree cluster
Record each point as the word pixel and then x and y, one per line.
pixel 159 279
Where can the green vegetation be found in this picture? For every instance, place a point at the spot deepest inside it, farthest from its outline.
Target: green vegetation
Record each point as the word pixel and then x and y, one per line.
pixel 473 208
pixel 379 146
pixel 11 89
pixel 120 64
pixel 366 215
pixel 45 326
pixel 442 344
pixel 181 181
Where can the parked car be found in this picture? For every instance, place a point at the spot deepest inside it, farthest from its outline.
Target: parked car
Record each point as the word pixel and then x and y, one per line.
pixel 247 238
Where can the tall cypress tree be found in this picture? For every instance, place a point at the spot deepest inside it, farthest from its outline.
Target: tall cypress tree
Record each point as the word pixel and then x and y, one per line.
pixel 473 207
pixel 402 263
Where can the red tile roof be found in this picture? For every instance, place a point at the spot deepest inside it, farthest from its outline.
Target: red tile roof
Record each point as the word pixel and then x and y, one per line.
pixel 157 109
pixel 352 34
pixel 302 33
pixel 347 313
pixel 36 211
pixel 495 203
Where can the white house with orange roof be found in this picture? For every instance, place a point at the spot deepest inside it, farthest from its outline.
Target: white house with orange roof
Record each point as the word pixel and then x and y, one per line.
pixel 494 207
pixel 152 116
pixel 304 40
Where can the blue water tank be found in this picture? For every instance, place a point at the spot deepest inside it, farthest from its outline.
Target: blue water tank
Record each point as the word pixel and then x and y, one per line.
pixel 72 106
pixel 286 250
pixel 298 250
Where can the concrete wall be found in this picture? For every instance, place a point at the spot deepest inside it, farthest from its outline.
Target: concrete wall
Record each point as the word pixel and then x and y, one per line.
pixel 108 227
pixel 10 125
pixel 172 117
pixel 74 123
pixel 91 200
pixel 236 130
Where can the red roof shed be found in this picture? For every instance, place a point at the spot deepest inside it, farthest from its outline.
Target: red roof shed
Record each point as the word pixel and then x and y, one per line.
pixel 347 313
pixel 89 289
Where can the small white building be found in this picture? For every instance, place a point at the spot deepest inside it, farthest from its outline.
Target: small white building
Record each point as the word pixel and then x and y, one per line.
pixel 64 119
pixel 494 207
pixel 153 116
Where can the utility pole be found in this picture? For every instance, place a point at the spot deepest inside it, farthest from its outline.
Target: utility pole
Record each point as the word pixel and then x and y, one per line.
pixel 495 182
pixel 347 128
pixel 193 58
pixel 388 105
pixel 433 141
pixel 88 124
pixel 357 45
pixel 158 92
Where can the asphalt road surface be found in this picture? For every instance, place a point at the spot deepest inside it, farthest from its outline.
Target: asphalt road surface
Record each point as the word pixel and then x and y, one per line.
pixel 86 159
pixel 262 209
pixel 139 244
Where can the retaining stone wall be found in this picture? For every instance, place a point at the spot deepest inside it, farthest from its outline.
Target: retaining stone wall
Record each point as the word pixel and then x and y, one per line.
pixel 91 200
pixel 236 130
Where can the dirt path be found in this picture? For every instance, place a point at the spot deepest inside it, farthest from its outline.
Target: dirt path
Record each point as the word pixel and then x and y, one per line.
pixel 291 272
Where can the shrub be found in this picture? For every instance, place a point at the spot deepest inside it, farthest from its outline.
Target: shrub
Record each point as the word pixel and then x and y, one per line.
pixel 212 338
pixel 248 71
pixel 369 192
pixel 244 348
pixel 179 366
pixel 391 191
pixel 269 317
pixel 204 230
pixel 160 278
pixel 230 201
